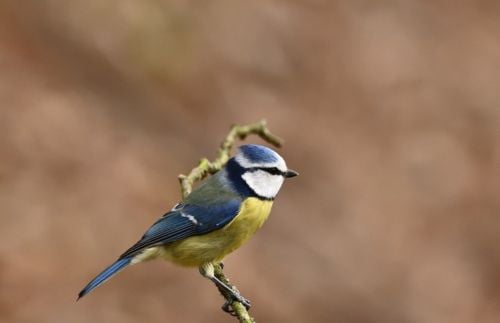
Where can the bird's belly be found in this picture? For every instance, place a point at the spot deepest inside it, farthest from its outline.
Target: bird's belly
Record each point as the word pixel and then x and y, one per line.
pixel 214 246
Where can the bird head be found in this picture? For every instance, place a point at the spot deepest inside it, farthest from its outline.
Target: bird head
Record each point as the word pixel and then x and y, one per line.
pixel 264 170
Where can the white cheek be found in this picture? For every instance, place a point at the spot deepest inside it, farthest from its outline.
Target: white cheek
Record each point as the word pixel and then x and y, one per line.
pixel 263 183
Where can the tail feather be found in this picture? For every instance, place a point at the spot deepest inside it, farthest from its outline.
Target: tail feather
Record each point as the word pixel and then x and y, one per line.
pixel 107 273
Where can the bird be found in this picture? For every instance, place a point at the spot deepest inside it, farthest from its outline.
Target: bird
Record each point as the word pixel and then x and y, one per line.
pixel 215 219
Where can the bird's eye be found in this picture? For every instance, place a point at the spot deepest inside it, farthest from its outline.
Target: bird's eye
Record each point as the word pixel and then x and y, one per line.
pixel 273 171
pixel 270 170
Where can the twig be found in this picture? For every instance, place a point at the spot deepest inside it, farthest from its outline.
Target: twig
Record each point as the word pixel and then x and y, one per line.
pixel 206 167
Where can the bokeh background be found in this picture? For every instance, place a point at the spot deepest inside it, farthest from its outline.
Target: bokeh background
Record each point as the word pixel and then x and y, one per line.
pixel 390 111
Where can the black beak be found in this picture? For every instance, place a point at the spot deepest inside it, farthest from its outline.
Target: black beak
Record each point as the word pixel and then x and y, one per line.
pixel 290 173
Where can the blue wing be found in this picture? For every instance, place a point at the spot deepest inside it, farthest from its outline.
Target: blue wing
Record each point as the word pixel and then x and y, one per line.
pixel 185 221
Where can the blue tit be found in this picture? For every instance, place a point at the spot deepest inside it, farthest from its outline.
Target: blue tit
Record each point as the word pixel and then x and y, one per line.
pixel 217 217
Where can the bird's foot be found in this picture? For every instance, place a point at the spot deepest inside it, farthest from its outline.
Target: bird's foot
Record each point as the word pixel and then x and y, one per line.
pixel 236 297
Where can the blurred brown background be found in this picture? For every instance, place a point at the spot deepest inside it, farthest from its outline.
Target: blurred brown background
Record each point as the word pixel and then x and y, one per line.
pixel 390 110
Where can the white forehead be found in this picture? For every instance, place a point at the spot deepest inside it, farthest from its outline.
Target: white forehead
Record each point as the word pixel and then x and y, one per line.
pixel 250 156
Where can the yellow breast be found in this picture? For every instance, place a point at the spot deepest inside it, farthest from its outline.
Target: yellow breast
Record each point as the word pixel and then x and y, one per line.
pixel 214 246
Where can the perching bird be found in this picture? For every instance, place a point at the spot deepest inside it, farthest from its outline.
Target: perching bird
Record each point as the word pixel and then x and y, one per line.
pixel 214 220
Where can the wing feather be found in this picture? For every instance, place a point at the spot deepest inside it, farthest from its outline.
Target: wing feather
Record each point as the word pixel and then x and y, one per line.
pixel 186 221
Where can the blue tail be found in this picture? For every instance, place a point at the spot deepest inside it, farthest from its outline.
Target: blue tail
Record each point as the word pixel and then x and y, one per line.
pixel 105 275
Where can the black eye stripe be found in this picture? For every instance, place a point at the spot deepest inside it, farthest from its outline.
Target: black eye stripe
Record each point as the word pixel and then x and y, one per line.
pixel 270 170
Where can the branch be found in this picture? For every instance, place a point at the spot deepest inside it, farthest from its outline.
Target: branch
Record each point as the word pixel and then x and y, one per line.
pixel 206 167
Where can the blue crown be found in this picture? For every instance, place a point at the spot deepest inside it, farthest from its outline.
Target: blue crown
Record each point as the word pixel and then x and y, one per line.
pixel 258 154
